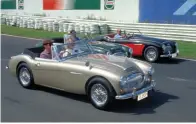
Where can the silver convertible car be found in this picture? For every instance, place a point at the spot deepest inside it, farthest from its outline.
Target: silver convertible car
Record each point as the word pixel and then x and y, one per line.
pixel 103 78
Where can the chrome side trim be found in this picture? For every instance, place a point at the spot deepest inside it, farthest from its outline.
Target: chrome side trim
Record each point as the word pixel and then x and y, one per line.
pixel 135 94
pixel 76 73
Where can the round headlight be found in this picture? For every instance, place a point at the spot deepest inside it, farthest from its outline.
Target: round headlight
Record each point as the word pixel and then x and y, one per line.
pixel 123 80
pixel 151 71
pixel 163 46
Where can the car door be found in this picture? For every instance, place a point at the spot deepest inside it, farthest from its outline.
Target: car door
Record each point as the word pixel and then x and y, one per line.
pixel 136 46
pixel 77 75
pixel 49 72
pixel 62 75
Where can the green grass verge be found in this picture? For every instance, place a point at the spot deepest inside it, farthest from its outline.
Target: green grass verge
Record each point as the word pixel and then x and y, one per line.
pixel 32 33
pixel 187 49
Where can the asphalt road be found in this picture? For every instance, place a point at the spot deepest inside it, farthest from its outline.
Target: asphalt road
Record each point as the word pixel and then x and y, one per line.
pixel 175 99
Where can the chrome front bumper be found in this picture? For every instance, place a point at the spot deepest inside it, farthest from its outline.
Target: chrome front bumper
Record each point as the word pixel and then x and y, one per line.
pixel 173 55
pixel 135 94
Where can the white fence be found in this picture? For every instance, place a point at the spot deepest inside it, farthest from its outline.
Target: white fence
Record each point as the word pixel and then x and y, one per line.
pixel 165 31
pixel 53 24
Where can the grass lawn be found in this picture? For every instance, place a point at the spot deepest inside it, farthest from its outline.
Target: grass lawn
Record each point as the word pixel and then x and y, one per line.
pixel 187 49
pixel 32 33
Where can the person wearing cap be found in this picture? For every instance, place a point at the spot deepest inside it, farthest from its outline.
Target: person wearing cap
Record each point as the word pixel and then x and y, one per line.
pixel 46 54
pixel 118 35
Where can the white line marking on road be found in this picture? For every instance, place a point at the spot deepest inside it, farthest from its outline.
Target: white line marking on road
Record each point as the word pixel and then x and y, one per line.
pixel 21 37
pixel 187 59
pixel 180 79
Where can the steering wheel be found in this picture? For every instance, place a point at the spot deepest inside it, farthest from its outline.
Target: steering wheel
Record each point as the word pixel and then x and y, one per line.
pixel 130 35
pixel 119 54
pixel 64 54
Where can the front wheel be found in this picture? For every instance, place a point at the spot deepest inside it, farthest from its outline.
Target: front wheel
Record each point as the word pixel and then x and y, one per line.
pixel 151 54
pixel 25 76
pixel 100 93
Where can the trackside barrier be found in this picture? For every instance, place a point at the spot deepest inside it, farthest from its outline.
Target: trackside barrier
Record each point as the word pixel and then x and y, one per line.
pixel 165 31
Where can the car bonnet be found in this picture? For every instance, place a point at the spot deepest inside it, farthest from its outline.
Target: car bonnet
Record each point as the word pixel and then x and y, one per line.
pixel 111 62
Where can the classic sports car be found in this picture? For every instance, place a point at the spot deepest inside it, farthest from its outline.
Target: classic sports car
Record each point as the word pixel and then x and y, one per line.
pixel 101 77
pixel 149 48
pixel 100 47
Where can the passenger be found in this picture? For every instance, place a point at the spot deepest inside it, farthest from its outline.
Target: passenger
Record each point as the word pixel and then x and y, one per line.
pixel 67 50
pixel 71 48
pixel 46 54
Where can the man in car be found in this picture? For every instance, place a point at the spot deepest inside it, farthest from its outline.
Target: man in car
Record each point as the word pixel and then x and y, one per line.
pixel 71 49
pixel 118 35
pixel 46 54
pixel 73 34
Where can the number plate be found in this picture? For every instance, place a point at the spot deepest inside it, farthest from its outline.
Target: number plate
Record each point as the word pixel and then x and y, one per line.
pixel 174 55
pixel 142 96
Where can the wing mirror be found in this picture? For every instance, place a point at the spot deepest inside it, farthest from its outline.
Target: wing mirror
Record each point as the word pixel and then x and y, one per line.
pixel 131 52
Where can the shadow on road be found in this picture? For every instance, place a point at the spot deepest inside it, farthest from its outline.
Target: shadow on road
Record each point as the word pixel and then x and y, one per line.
pixel 165 60
pixel 77 97
pixel 170 61
pixel 146 106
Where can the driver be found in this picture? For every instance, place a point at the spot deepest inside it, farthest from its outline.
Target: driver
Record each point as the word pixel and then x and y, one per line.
pixel 118 35
pixel 46 54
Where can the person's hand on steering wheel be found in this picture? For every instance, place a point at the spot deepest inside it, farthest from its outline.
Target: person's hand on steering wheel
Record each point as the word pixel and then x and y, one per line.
pixel 64 54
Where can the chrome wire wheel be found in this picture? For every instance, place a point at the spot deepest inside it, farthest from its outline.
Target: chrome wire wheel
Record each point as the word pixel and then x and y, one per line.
pixel 99 94
pixel 24 76
pixel 151 54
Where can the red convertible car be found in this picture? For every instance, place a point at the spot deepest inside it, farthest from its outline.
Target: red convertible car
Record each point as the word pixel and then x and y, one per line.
pixel 143 46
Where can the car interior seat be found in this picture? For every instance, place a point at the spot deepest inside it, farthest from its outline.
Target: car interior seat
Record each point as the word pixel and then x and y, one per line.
pixel 34 52
pixel 58 40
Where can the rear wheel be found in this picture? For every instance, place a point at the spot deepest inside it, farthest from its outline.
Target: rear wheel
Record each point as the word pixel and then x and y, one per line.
pixel 151 54
pixel 100 93
pixel 25 76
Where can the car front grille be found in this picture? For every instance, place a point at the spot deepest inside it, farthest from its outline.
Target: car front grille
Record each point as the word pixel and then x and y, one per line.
pixel 137 82
pixel 170 49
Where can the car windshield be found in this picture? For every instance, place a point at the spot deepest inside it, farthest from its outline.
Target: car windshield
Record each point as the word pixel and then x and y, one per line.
pixel 64 51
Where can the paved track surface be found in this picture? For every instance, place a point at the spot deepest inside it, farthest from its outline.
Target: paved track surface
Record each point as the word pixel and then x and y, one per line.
pixel 175 99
